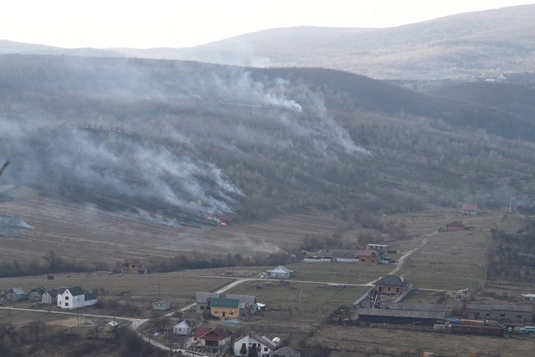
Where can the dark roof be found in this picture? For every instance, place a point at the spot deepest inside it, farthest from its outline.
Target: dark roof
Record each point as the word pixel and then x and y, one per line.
pixel 90 296
pixel 286 352
pixel 40 290
pixel 186 322
pixel 202 296
pixel 53 292
pixel 244 299
pixel 215 333
pixel 218 302
pixel 497 307
pixel 265 341
pixel 455 224
pixel 348 255
pixel 75 290
pixel 391 280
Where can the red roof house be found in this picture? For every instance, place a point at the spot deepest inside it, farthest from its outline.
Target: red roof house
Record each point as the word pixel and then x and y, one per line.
pixel 369 256
pixel 133 266
pixel 469 209
pixel 206 336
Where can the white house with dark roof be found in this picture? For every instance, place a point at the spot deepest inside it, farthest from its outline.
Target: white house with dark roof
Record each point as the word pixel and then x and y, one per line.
pixel 75 297
pixel 50 296
pixel 254 345
pixel 183 328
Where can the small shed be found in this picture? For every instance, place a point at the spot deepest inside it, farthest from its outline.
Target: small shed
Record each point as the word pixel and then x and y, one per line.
pixel 161 305
pixel 50 296
pixel 455 226
pixel 183 328
pixel 36 294
pixel 110 326
pixel 16 294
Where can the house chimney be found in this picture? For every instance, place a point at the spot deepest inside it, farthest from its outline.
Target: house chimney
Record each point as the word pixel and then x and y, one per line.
pixel 401 278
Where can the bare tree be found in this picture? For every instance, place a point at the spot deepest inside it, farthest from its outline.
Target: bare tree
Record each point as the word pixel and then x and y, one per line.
pixel 53 260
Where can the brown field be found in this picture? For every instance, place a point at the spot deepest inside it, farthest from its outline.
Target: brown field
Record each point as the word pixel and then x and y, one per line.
pixel 86 233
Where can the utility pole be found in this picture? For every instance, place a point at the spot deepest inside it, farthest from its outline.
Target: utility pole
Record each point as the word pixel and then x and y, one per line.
pixel 159 295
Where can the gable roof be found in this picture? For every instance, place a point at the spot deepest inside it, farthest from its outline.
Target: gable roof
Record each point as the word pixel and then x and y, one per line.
pixel 40 290
pixel 469 207
pixel 186 323
pixel 368 253
pixel 202 297
pixel 280 269
pixel 18 291
pixel 263 340
pixel 90 296
pixel 214 333
pixel 391 280
pixel 219 302
pixel 244 299
pixel 74 290
pixel 52 292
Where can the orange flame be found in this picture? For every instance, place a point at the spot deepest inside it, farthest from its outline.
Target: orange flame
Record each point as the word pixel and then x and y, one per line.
pixel 223 223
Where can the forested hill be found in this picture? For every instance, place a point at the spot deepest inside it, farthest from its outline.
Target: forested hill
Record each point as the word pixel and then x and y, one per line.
pixel 175 142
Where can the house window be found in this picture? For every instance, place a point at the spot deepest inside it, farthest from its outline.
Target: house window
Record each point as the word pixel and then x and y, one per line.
pixel 362 260
pixel 389 288
pixel 380 288
pixel 66 298
pixel 502 315
pixel 194 338
pixel 216 313
pixel 373 261
pixel 397 290
pixel 66 304
pixel 230 313
pixel 265 349
pixel 202 307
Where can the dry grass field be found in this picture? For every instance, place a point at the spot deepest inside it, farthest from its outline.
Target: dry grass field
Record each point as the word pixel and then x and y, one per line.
pixel 81 232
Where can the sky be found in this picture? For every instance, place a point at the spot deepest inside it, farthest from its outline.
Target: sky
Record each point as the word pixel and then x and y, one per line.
pixel 185 23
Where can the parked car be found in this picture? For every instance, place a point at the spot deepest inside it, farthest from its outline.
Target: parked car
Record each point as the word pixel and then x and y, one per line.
pixel 528 329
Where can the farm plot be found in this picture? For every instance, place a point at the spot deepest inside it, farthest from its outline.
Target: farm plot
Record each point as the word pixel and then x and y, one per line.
pixel 301 300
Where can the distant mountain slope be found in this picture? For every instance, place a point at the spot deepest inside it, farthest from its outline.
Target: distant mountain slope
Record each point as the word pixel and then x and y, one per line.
pixel 11 47
pixel 463 45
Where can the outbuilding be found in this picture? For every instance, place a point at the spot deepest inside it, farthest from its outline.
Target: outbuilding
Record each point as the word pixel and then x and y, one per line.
pixel 183 328
pixel 16 294
pixel 280 273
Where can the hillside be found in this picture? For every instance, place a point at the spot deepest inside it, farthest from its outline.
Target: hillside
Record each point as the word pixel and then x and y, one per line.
pixel 184 143
pixel 465 45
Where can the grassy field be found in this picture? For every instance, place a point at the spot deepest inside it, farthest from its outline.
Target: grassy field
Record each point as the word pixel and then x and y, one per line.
pixel 141 285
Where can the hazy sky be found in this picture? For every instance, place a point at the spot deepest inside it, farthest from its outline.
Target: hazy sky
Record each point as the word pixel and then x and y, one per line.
pixel 184 23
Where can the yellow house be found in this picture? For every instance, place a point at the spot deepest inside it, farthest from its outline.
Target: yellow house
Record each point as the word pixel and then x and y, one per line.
pixel 225 307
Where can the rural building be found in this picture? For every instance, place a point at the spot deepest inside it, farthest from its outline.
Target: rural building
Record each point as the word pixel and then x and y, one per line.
pixel 500 312
pixel 454 226
pixel 75 297
pixel 36 294
pixel 254 345
pixel 280 273
pixel 380 248
pixel 316 259
pixel 528 297
pixel 286 352
pixel 345 257
pixel 210 337
pixel 369 256
pixel 16 294
pixel 391 285
pixel 203 302
pixel 399 313
pixel 469 209
pixel 183 328
pixel 50 296
pixel 161 305
pixel 248 303
pixel 111 326
pixel 225 307
pixel 134 267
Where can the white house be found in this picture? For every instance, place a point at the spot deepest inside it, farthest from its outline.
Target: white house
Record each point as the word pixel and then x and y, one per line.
pixel 183 328
pixel 75 298
pixel 529 297
pixel 253 342
pixel 280 273
pixel 50 296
